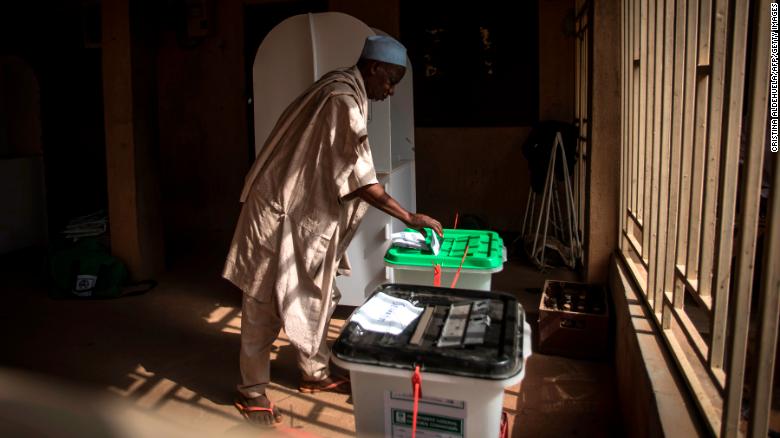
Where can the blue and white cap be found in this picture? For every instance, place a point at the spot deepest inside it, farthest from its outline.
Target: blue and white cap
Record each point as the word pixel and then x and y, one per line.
pixel 384 48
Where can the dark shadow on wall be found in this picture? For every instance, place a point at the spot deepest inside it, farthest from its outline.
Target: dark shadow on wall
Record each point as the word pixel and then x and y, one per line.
pixel 49 37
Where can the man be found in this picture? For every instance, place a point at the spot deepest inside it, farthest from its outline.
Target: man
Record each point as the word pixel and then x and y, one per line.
pixel 303 200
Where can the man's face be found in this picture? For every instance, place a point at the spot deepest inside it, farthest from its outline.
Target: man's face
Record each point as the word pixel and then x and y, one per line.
pixel 382 79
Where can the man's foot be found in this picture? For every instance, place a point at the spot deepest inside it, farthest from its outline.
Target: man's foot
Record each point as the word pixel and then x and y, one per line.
pixel 259 410
pixel 329 384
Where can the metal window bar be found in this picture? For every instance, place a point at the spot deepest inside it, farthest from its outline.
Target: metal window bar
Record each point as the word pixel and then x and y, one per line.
pixel 712 171
pixel 726 205
pixel 689 105
pixel 642 110
pixel 623 110
pixel 648 138
pixel 677 115
pixel 699 145
pixel 582 108
pixel 769 294
pixel 748 220
pixel 651 213
pixel 665 213
pixel 689 207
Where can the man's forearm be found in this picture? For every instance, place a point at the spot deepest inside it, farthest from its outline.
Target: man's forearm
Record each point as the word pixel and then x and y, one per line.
pixel 377 197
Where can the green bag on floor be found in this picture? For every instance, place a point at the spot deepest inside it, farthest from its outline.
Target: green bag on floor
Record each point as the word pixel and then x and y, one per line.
pixel 86 269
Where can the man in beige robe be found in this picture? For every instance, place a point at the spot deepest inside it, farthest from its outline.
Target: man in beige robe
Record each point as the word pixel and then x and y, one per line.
pixel 302 202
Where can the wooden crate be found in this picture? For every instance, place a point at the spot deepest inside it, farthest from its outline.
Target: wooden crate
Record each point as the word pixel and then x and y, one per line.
pixel 579 332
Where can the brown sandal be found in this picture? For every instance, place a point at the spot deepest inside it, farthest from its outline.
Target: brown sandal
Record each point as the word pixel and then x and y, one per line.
pixel 246 409
pixel 339 386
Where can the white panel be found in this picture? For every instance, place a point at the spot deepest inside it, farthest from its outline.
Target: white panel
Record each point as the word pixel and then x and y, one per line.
pixel 402 119
pixel 402 189
pixel 282 70
pixel 413 183
pixel 366 254
pixel 338 39
pixel 296 53
pixel 401 147
pixel 379 134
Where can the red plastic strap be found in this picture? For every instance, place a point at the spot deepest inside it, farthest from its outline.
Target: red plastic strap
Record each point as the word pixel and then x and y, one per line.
pixel 457 273
pixel 417 388
pixel 504 430
pixel 455 226
pixel 437 275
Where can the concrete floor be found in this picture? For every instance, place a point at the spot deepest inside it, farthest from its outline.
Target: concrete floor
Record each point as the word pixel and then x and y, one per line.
pixel 173 353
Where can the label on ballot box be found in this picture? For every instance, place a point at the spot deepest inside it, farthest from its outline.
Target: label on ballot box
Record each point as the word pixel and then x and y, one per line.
pixel 436 417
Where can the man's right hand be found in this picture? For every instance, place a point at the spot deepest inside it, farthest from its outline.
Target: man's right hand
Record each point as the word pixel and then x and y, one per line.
pixel 418 221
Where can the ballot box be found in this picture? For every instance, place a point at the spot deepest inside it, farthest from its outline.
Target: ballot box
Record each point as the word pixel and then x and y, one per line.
pixel 469 345
pixel 485 257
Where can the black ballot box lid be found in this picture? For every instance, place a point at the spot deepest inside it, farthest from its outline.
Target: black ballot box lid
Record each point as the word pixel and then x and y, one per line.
pixel 460 332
